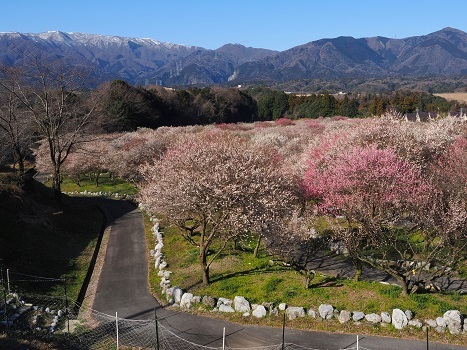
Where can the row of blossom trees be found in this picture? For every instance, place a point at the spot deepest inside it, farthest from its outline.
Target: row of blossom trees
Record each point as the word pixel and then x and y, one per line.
pixel 394 193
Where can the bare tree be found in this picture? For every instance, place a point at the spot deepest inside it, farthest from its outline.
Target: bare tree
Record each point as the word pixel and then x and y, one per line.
pixel 52 96
pixel 15 127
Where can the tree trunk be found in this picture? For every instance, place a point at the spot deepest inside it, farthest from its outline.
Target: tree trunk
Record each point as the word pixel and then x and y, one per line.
pixel 204 265
pixel 358 266
pixel 97 179
pixel 405 287
pixel 56 185
pixel 258 245
pixel 19 158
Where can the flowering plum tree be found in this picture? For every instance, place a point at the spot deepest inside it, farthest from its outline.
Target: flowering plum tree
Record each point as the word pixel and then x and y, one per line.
pixel 217 186
pixel 374 191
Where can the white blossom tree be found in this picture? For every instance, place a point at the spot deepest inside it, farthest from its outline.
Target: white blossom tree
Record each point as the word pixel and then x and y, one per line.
pixel 217 186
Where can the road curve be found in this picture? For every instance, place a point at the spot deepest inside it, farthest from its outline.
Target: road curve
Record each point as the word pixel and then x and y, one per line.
pixel 123 287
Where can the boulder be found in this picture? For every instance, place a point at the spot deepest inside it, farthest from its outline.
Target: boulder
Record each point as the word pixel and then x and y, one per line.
pixel 224 301
pixel 409 314
pixel 326 311
pixel 431 323
pixel 358 315
pixel 399 319
pixel 241 304
pixel 282 306
pixel 453 319
pixel 344 316
pixel 259 311
pixel 169 292
pixel 415 323
pixel 177 294
pixel 196 299
pixel 441 322
pixel 186 300
pixel 209 301
pixel 312 313
pixel 385 317
pixel 274 311
pixel 373 318
pixel 226 308
pixel 294 312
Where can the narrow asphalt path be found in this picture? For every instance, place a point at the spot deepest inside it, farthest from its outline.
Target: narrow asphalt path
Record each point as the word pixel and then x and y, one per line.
pixel 123 287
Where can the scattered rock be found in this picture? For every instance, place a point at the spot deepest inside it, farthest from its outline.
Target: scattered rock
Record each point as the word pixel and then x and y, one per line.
pixel 294 312
pixel 186 300
pixel 312 313
pixel 224 301
pixel 358 315
pixel 209 301
pixel 441 322
pixel 226 308
pixel 399 319
pixel 453 319
pixel 344 316
pixel 241 304
pixel 274 311
pixel 177 294
pixel 373 318
pixel 259 311
pixel 415 323
pixel 385 317
pixel 409 314
pixel 326 311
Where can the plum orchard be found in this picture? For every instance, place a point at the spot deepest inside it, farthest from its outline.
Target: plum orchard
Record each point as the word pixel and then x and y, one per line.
pixel 392 192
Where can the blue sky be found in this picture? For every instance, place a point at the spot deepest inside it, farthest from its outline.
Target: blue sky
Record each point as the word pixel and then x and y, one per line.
pixel 271 24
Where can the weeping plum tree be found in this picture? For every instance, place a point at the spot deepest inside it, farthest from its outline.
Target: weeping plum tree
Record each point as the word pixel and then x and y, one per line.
pixel 217 186
pixel 378 195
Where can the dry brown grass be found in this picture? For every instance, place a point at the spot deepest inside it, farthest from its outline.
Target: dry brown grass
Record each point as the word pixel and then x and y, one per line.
pixel 454 96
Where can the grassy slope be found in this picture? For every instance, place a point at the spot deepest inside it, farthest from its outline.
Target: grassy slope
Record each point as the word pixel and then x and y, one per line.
pixel 239 273
pixel 41 237
pixel 106 184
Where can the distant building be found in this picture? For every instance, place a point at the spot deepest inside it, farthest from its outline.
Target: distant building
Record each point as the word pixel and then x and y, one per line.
pixel 429 116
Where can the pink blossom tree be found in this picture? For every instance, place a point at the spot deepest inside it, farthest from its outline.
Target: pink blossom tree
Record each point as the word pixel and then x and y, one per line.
pixel 217 186
pixel 375 192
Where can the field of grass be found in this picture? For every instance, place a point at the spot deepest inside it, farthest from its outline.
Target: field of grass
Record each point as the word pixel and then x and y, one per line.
pixel 106 184
pixel 259 280
pixel 454 96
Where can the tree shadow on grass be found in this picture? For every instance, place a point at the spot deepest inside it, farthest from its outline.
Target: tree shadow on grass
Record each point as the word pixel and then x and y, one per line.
pixel 328 281
pixel 246 272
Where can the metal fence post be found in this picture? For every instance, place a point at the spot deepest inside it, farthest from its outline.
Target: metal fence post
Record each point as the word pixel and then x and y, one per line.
pixel 283 333
pixel 223 339
pixel 8 279
pixel 4 301
pixel 116 326
pixel 66 306
pixel 157 329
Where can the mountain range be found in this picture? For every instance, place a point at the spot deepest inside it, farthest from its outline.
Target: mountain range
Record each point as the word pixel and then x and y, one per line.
pixel 142 61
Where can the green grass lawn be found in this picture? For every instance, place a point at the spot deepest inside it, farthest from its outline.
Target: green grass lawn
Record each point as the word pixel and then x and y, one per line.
pixel 106 184
pixel 259 280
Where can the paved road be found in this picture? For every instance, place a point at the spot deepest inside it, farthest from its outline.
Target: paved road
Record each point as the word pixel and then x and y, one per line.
pixel 123 287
